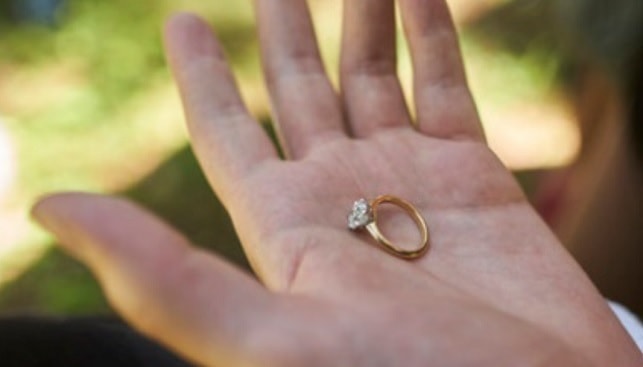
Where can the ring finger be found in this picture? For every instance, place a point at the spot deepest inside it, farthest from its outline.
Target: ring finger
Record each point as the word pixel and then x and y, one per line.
pixel 371 90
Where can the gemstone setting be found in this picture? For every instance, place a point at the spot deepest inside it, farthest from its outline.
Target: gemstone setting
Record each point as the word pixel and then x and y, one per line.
pixel 361 215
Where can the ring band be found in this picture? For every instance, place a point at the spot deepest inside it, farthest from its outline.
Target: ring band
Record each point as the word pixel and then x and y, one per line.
pixel 364 215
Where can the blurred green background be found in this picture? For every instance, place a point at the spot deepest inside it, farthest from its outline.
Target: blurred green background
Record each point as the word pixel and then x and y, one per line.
pixel 87 103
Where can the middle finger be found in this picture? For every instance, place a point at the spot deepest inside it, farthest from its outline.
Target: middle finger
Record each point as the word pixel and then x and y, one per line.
pixel 371 89
pixel 306 107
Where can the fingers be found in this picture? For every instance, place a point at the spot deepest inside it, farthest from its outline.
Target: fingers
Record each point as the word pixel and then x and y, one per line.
pixel 373 97
pixel 228 142
pixel 305 105
pixel 445 108
pixel 192 302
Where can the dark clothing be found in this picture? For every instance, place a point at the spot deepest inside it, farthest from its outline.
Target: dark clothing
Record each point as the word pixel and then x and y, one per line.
pixel 92 342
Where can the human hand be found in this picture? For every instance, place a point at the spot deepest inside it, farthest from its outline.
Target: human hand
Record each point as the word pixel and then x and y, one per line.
pixel 496 288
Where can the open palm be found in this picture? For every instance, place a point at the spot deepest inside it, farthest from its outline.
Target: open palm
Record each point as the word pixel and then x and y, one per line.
pixel 495 288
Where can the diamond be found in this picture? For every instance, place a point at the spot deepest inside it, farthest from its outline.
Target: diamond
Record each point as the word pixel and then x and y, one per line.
pixel 361 215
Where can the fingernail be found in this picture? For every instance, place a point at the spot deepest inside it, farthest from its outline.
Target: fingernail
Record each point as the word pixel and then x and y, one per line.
pixel 51 216
pixel 40 213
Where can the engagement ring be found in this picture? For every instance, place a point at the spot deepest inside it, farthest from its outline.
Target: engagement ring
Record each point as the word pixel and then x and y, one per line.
pixel 364 216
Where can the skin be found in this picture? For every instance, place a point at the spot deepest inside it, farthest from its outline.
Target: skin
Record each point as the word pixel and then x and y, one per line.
pixel 495 289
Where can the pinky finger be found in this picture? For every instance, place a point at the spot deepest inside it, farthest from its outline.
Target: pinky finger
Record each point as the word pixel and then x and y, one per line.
pixel 445 108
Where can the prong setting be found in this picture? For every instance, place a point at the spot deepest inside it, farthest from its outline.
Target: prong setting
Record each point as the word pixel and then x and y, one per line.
pixel 361 215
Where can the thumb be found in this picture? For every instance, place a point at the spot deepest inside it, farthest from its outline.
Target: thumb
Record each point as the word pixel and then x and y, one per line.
pixel 187 299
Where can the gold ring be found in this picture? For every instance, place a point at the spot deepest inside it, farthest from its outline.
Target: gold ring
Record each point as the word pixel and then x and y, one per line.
pixel 364 215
